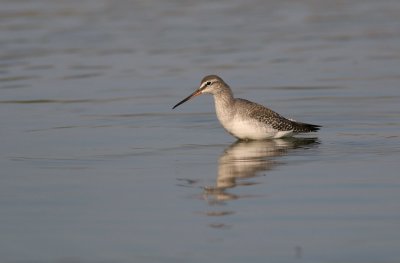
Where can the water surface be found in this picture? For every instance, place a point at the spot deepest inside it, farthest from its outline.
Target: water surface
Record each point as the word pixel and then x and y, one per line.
pixel 96 167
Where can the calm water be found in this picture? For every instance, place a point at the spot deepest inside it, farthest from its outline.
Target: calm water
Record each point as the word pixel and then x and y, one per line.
pixel 96 167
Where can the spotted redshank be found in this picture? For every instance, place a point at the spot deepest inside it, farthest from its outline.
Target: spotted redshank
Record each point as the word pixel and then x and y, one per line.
pixel 244 119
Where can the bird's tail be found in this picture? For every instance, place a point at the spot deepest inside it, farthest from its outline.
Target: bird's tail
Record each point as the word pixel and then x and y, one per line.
pixel 305 127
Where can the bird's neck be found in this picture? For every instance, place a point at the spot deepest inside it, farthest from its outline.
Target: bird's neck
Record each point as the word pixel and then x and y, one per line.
pixel 224 98
pixel 224 105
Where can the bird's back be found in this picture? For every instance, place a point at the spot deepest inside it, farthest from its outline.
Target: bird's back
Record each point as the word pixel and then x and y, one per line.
pixel 269 117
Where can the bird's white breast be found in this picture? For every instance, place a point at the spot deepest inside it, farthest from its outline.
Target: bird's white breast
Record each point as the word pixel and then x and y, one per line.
pixel 243 126
pixel 253 130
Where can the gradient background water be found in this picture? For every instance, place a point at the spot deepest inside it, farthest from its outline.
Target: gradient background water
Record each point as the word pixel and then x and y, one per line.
pixel 96 167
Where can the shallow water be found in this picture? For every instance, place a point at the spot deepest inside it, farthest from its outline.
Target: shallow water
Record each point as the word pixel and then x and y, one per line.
pixel 96 167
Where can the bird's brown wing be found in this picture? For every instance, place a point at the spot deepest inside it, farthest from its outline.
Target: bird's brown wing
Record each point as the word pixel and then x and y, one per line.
pixel 273 119
pixel 265 115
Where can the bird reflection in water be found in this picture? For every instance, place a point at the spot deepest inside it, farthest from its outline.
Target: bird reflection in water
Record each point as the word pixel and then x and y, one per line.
pixel 247 159
pixel 238 165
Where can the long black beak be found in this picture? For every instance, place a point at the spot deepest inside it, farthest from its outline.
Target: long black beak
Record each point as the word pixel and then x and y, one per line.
pixel 194 94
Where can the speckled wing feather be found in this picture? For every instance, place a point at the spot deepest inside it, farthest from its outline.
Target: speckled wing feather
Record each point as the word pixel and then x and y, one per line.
pixel 276 121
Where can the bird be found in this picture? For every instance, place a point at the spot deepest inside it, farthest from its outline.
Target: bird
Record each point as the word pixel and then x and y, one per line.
pixel 247 120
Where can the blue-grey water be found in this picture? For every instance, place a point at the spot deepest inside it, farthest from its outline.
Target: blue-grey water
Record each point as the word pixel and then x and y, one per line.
pixel 97 167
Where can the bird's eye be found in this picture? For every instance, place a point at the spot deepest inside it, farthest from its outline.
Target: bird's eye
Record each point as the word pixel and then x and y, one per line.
pixel 208 83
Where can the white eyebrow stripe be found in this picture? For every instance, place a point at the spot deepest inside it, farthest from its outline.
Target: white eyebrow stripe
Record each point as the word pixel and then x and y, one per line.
pixel 204 85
